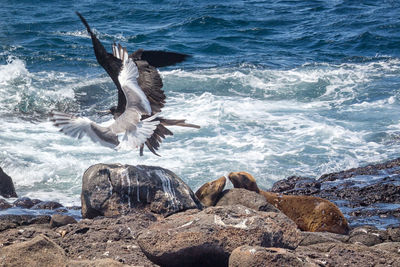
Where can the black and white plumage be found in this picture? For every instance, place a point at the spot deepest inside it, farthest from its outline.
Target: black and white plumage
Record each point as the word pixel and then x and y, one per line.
pixel 135 130
pixel 140 98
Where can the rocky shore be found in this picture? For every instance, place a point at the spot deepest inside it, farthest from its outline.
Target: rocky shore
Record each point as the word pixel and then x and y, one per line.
pixel 147 216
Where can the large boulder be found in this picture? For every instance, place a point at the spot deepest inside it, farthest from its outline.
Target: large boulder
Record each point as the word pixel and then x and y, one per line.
pixel 6 185
pixel 208 237
pixel 40 251
pixel 114 189
pixel 44 252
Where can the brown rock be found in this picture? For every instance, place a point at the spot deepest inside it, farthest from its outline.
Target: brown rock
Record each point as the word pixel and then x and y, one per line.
pixel 6 185
pixel 394 233
pixel 367 235
pixel 272 257
pixel 342 254
pixel 311 214
pixel 109 190
pixel 104 237
pixel 24 202
pixel 47 205
pixel 96 263
pixel 12 221
pixel 40 251
pixel 208 237
pixel 210 192
pixel 311 238
pixel 246 198
pixel 393 247
pixel 58 220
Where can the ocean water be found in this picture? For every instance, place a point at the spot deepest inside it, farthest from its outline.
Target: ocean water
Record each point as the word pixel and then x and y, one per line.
pixel 279 88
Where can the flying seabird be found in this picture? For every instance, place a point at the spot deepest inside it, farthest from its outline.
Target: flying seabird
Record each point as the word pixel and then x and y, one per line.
pixel 140 99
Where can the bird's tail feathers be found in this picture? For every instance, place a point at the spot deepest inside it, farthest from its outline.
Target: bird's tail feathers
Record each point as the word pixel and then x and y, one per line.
pixel 144 130
pixel 182 123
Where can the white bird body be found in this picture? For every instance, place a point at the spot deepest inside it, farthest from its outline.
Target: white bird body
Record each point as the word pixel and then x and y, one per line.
pixel 135 131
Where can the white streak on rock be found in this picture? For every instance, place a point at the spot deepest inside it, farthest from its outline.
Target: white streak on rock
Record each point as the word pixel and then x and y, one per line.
pixel 186 224
pixel 124 175
pixel 241 224
pixel 218 221
pixel 168 190
pixel 137 189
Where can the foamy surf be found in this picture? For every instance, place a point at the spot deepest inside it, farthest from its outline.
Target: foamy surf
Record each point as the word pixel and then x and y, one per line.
pixel 307 121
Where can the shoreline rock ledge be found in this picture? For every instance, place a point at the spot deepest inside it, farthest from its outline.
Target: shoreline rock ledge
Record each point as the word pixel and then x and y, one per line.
pixel 115 189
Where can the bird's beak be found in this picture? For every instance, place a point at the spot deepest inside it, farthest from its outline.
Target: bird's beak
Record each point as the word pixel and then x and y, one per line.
pixel 103 112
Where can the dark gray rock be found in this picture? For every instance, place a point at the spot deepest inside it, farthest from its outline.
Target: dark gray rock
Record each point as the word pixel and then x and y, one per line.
pixel 297 185
pixel 12 221
pixel 58 220
pixel 393 247
pixel 246 198
pixel 271 257
pixel 342 254
pixel 376 186
pixel 394 233
pixel 7 188
pixel 47 205
pixel 207 238
pixel 4 204
pixel 114 189
pixel 367 235
pixel 312 238
pixel 25 202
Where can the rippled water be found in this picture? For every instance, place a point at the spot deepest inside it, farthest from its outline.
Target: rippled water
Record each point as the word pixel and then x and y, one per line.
pixel 279 87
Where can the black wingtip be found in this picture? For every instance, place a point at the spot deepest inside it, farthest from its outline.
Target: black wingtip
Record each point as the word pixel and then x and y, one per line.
pixel 84 22
pixel 160 59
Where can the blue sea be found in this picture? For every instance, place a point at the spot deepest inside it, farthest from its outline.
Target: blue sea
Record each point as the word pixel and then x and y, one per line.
pixel 279 88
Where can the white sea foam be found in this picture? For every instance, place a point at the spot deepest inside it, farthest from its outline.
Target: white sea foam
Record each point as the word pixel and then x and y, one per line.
pixel 272 123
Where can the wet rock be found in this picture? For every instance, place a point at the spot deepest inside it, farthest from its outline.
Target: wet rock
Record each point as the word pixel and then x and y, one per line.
pixel 12 221
pixel 47 205
pixel 207 238
pixel 58 220
pixel 24 202
pixel 246 198
pixel 273 257
pixel 4 204
pixel 342 254
pixel 297 185
pixel 6 185
pixel 367 235
pixel 376 186
pixel 109 190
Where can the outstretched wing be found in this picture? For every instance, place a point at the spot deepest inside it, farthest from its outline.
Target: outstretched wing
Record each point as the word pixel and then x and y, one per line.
pixel 159 59
pixel 78 127
pixel 111 64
